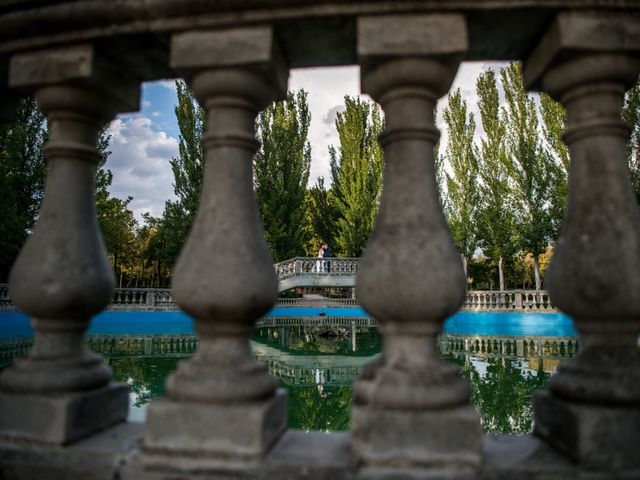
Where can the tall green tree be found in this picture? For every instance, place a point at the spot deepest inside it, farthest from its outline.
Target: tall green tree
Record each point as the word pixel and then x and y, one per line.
pixel 356 174
pixel 554 121
pixel 531 169
pixel 323 215
pixel 463 194
pixel 188 167
pixel 281 172
pixel 22 175
pixel 631 113
pixel 495 216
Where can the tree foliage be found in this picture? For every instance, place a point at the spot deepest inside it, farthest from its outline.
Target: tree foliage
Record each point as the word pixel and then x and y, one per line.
pixel 323 216
pixel 188 167
pixel 495 216
pixel 117 222
pixel 554 121
pixel 532 169
pixel 281 173
pixel 22 175
pixel 631 113
pixel 356 174
pixel 462 183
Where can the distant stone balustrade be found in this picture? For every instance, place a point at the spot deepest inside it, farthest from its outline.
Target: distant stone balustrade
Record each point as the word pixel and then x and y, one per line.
pixel 161 300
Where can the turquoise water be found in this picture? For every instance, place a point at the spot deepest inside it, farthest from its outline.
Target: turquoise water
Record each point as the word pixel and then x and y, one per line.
pixel 15 324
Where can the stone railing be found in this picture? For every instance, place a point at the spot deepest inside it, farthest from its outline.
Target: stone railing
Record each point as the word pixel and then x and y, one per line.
pixel 222 414
pixel 509 300
pixel 326 266
pixel 509 346
pixel 317 321
pixel 142 299
pixel 317 302
pixel 161 299
pixel 134 345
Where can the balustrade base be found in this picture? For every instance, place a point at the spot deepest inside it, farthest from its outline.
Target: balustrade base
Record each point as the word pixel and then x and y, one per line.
pixel 597 436
pixel 217 435
pixel 447 438
pixel 60 419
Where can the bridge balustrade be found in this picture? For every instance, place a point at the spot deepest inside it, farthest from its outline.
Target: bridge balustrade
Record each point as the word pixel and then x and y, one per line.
pixel 223 415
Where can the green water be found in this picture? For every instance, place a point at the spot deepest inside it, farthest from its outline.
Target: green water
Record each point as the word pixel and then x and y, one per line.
pixel 318 373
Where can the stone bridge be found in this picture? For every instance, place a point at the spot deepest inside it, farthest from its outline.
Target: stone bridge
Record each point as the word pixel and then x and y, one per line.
pixel 316 272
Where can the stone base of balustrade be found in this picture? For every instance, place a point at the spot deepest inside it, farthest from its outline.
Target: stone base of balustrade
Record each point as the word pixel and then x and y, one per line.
pixel 60 419
pixel 205 435
pixel 114 454
pixel 596 436
pixel 416 440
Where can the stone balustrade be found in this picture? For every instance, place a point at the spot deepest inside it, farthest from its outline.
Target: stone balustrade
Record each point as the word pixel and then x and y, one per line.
pixel 537 301
pixel 317 321
pixel 509 346
pixel 223 414
pixel 161 300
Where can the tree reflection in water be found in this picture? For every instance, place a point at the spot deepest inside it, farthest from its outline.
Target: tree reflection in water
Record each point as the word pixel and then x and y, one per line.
pixel 318 370
pixel 502 390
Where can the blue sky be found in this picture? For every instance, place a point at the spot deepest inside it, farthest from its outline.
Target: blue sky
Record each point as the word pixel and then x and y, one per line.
pixel 143 143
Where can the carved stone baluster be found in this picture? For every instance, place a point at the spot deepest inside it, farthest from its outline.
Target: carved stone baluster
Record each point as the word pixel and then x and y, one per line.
pixel 223 402
pixel 411 278
pixel 61 277
pixel 587 61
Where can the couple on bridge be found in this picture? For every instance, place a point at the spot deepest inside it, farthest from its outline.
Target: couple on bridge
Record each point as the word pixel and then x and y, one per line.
pixel 323 266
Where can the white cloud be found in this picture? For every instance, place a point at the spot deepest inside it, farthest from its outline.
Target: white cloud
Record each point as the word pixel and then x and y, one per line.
pixel 326 88
pixel 168 84
pixel 140 163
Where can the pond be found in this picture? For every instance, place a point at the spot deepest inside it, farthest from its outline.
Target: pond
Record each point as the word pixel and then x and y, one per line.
pixel 504 356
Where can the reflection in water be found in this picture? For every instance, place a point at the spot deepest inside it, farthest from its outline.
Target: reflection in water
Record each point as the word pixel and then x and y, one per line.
pixel 317 365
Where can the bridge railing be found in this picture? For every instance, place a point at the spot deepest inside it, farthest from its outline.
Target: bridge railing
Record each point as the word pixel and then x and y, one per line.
pixel 316 321
pixel 298 266
pixel 317 302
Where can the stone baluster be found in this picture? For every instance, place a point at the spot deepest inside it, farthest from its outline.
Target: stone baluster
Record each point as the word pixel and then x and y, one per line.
pixel 62 277
pixel 223 402
pixel 410 278
pixel 587 61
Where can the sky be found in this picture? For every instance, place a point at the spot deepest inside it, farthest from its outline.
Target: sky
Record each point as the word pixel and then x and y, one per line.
pixel 143 143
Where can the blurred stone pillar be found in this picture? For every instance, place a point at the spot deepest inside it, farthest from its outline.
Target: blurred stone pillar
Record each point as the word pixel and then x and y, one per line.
pixel 411 408
pixel 223 404
pixel 61 391
pixel 592 409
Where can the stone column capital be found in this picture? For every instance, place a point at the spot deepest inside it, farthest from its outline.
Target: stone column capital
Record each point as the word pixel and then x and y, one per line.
pixel 244 62
pixel 583 48
pixel 77 76
pixel 424 51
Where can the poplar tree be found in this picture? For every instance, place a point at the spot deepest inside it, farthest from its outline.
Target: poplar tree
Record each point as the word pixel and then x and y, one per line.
pixel 22 175
pixel 462 183
pixel 554 121
pixel 531 168
pixel 496 221
pixel 356 173
pixel 281 173
pixel 631 114
pixel 188 167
